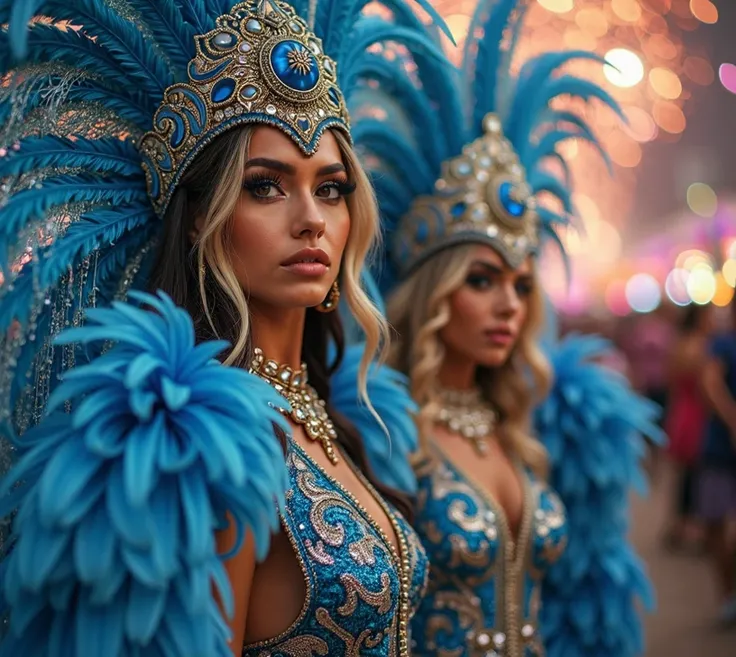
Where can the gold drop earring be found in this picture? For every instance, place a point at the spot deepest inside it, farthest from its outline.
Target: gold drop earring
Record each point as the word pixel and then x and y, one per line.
pixel 333 298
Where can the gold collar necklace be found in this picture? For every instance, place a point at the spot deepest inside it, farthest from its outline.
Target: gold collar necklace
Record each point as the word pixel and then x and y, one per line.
pixel 307 409
pixel 467 414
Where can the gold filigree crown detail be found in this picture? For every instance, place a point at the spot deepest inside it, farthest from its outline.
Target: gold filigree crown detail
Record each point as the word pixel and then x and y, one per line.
pixel 482 196
pixel 261 64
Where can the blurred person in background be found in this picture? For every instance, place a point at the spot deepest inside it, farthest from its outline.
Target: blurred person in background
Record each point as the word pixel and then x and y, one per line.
pixel 685 419
pixel 647 346
pixel 717 478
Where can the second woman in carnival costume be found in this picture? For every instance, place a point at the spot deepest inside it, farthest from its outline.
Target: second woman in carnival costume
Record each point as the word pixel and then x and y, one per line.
pixel 459 160
pixel 201 149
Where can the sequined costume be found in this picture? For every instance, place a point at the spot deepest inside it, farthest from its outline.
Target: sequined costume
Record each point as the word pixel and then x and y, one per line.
pixel 131 444
pixel 356 600
pixel 467 156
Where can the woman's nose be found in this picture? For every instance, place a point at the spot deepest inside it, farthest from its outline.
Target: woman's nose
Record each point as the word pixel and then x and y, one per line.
pixel 308 219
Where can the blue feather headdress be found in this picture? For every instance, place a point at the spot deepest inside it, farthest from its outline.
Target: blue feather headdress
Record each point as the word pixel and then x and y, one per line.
pixel 460 155
pixel 78 226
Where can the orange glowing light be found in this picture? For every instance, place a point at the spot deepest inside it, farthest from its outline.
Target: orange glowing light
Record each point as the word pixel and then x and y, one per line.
pixel 576 39
pixel 704 10
pixel 593 21
pixel 557 6
pixel 641 125
pixel 660 46
pixel 669 117
pixel 665 83
pixel 458 24
pixel 626 10
pixel 659 6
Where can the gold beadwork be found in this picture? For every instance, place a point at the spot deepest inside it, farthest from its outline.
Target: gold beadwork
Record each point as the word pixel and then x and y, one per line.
pixel 333 298
pixel 307 409
pixel 467 414
pixel 481 196
pixel 261 64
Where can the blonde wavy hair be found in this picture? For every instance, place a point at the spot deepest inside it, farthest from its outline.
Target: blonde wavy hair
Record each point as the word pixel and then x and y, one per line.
pixel 213 251
pixel 420 308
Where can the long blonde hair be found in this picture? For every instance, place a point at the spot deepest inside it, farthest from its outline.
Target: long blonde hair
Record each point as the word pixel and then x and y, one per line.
pixel 219 291
pixel 420 308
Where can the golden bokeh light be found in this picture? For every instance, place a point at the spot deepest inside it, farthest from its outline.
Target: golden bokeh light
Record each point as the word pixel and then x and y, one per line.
pixel 704 10
pixel 593 21
pixel 729 272
pixel 665 83
pixel 627 10
pixel 702 200
pixel 723 293
pixel 557 6
pixel 669 117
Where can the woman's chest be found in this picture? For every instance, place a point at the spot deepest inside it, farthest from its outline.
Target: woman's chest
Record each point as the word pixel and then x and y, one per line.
pixel 467 534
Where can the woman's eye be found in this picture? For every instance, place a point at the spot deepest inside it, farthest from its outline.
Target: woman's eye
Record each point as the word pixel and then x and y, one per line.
pixel 329 192
pixel 478 282
pixel 265 190
pixel 524 289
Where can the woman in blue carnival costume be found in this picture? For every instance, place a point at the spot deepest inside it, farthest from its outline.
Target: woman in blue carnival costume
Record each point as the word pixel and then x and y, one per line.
pixel 201 151
pixel 459 160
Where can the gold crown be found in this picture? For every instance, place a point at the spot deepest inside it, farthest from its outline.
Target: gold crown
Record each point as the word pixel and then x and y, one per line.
pixel 481 197
pixel 261 64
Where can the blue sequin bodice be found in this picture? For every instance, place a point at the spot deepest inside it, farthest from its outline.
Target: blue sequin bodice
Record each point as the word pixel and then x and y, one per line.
pixel 361 593
pixel 483 596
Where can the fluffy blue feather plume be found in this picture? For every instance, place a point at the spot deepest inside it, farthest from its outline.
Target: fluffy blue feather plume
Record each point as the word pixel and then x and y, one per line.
pixel 594 426
pixel 118 501
pixel 388 447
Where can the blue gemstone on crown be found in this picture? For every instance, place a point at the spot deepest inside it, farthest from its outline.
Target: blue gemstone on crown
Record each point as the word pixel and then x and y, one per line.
pixel 295 65
pixel 422 232
pixel 334 97
pixel 458 210
pixel 508 195
pixel 249 92
pixel 304 124
pixel 223 90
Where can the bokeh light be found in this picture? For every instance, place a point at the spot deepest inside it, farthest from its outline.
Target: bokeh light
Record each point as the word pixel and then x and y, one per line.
pixel 626 68
pixel 704 10
pixel 627 10
pixel 557 6
pixel 669 117
pixel 727 75
pixel 701 284
pixel 702 200
pixel 459 25
pixel 729 272
pixel 643 293
pixel 641 126
pixel 723 293
pixel 665 83
pixel 676 287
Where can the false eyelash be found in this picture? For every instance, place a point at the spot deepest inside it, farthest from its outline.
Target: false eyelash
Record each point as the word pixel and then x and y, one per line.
pixel 343 187
pixel 257 180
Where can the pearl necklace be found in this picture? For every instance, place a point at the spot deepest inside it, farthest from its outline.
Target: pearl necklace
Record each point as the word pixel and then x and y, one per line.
pixel 467 414
pixel 307 409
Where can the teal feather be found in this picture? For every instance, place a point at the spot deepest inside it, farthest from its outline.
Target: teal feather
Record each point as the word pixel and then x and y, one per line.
pixel 100 155
pixel 542 181
pixel 171 31
pixel 94 229
pixel 111 32
pixel 34 203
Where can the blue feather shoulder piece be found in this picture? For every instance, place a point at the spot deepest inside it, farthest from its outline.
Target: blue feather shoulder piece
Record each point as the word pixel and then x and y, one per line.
pixel 113 546
pixel 594 426
pixel 388 447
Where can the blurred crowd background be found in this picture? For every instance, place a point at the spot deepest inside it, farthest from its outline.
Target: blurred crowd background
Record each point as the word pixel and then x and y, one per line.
pixel 653 268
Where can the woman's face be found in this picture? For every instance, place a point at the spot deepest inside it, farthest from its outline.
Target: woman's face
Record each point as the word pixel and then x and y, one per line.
pixel 488 312
pixel 291 224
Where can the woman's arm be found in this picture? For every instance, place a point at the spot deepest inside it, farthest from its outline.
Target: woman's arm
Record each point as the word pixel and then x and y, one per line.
pixel 240 569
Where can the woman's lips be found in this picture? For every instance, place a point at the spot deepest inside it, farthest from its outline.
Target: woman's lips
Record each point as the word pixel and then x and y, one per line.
pixel 308 269
pixel 501 338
